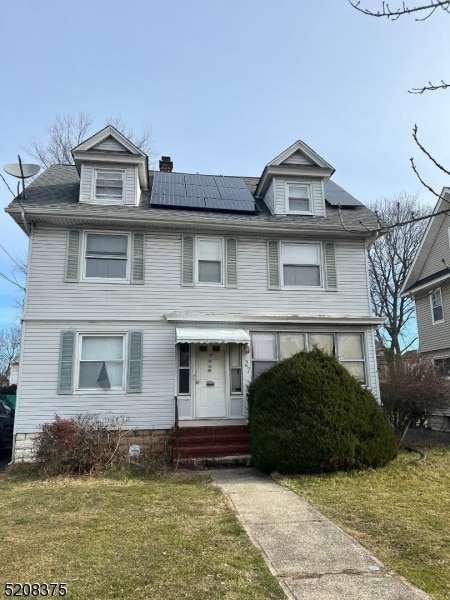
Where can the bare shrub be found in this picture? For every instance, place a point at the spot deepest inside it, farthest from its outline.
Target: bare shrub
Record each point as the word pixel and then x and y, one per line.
pixel 411 391
pixel 82 444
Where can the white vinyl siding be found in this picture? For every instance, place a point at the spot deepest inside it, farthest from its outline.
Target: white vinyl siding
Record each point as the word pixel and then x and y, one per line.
pixel 39 399
pixel 437 309
pixel 48 295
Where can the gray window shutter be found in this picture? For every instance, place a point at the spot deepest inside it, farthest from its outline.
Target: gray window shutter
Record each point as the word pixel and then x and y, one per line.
pixel 73 255
pixel 134 362
pixel 65 385
pixel 273 267
pixel 138 258
pixel 187 260
pixel 231 269
pixel 330 267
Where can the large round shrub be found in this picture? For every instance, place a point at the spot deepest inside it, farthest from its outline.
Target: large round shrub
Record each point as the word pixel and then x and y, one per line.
pixel 309 415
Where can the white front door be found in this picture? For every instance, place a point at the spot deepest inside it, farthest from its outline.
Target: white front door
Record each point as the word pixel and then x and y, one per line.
pixel 210 381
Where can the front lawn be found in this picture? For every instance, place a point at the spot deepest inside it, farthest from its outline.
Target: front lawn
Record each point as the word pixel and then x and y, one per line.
pixel 401 513
pixel 169 538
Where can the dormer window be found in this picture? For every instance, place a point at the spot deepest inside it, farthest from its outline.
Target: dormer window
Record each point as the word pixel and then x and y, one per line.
pixel 298 198
pixel 109 186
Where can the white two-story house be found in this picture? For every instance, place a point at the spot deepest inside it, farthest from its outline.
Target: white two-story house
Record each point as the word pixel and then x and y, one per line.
pixel 158 296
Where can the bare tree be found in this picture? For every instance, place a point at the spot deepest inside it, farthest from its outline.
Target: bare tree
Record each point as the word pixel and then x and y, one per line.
pixel 68 131
pixel 390 257
pixel 411 391
pixel 421 11
pixel 9 348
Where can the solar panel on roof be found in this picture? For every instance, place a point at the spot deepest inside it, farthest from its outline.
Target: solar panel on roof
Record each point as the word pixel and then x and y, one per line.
pixel 235 194
pixel 207 192
pixel 169 189
pixel 230 205
pixel 336 196
pixel 202 191
pixel 200 179
pixel 162 176
pixel 178 201
pixel 229 182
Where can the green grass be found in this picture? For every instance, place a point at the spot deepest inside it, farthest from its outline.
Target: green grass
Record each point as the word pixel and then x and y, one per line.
pixel 171 537
pixel 401 513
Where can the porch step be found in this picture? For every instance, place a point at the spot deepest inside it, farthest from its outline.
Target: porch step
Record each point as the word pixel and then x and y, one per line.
pixel 194 447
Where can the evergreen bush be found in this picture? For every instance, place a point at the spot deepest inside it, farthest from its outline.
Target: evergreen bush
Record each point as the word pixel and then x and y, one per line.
pixel 309 415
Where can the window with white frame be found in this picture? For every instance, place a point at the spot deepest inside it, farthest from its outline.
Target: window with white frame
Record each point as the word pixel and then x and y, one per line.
pixel 106 256
pixel 301 265
pixel 437 310
pixel 270 347
pixel 184 369
pixel 101 362
pixel 108 186
pixel 298 198
pixel 209 267
pixel 235 369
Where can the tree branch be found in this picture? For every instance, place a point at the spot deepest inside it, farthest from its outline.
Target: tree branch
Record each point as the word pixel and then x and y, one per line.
pixel 394 14
pixel 430 88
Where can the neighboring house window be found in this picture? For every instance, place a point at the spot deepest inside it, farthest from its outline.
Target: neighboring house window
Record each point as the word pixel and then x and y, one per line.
pixel 184 369
pixel 268 348
pixel 101 362
pixel 443 366
pixel 298 198
pixel 109 186
pixel 209 260
pixel 106 256
pixel 301 265
pixel 235 369
pixel 437 310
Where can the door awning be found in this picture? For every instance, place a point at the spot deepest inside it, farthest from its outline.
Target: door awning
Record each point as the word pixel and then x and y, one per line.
pixel 202 335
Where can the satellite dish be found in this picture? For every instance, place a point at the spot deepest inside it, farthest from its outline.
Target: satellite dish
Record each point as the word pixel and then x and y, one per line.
pixel 28 170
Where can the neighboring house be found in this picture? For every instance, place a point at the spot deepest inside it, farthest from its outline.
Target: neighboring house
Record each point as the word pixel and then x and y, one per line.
pixel 158 295
pixel 428 283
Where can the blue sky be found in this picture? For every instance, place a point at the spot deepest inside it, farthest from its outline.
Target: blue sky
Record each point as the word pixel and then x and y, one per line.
pixel 226 85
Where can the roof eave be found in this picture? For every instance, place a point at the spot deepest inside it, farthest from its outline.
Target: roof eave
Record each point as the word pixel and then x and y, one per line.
pixel 270 171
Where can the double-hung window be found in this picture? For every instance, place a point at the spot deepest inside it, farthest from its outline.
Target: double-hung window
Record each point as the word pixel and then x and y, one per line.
pixel 106 256
pixel 298 198
pixel 209 261
pixel 109 186
pixel 443 366
pixel 101 362
pixel 437 309
pixel 301 265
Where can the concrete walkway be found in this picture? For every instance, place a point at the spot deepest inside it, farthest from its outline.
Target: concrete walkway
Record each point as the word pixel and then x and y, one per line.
pixel 311 557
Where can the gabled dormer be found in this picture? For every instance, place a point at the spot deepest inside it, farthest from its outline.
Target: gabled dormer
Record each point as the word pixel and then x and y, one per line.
pixel 112 169
pixel 293 182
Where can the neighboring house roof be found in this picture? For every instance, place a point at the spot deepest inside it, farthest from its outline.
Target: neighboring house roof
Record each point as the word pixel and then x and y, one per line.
pixel 413 280
pixel 53 197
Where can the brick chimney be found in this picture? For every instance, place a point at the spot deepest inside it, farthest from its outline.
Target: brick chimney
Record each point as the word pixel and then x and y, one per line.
pixel 165 164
